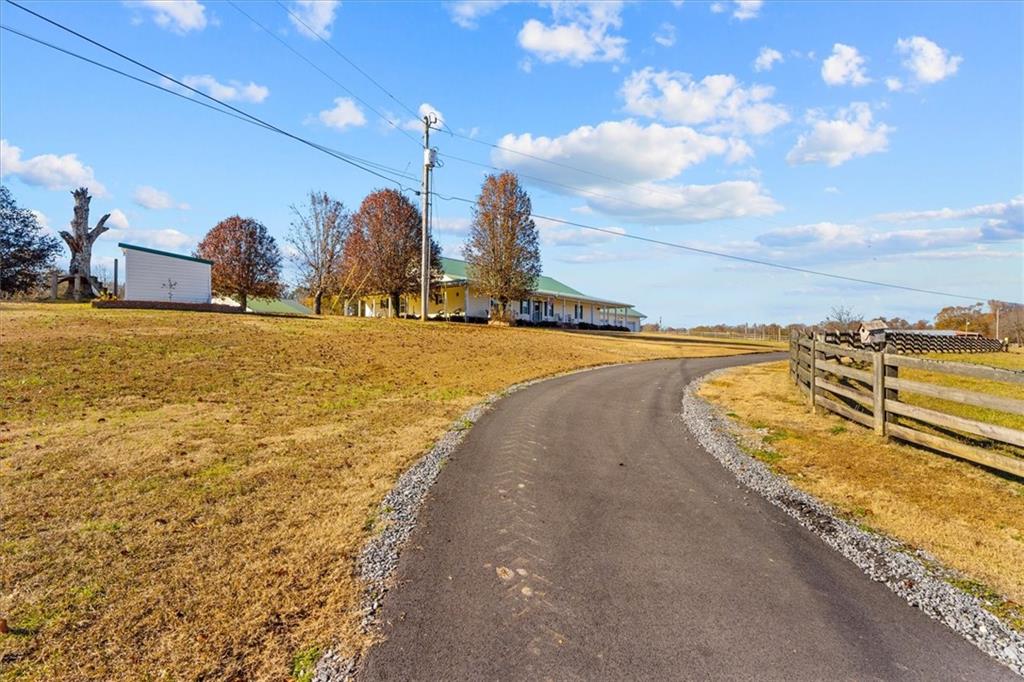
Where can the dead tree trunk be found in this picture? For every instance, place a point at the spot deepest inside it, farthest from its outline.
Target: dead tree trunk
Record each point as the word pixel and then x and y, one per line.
pixel 80 241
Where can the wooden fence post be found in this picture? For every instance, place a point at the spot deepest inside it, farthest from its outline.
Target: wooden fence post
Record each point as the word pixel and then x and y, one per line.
pixel 878 390
pixel 891 372
pixel 794 356
pixel 814 362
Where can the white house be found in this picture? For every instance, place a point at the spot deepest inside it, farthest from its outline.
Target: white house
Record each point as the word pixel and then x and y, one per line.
pixel 553 302
pixel 152 275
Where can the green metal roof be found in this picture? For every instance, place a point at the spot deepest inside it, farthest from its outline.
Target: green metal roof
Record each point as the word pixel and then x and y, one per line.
pixel 277 306
pixel 164 253
pixel 456 269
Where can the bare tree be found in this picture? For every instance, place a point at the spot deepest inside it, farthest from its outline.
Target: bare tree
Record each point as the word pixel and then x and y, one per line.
pixel 80 241
pixel 843 316
pixel 502 251
pixel 318 234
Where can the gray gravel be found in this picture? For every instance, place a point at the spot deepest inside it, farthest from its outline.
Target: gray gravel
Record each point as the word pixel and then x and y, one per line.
pixel 915 576
pixel 397 519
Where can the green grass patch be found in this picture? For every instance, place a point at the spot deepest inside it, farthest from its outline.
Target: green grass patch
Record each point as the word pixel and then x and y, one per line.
pixel 1009 612
pixel 304 664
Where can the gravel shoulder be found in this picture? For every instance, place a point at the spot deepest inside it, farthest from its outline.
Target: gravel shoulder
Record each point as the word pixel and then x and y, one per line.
pixel 914 575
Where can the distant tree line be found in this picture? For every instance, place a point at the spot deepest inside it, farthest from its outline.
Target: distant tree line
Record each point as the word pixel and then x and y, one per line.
pixel 968 318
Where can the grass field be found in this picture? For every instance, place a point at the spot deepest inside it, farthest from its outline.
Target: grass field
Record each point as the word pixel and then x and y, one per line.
pixel 184 495
pixel 971 519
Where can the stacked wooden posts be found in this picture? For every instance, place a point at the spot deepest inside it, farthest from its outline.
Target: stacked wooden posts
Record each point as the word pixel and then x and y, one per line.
pixel 864 386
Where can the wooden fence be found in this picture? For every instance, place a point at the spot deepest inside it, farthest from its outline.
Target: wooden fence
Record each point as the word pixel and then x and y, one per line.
pixel 865 386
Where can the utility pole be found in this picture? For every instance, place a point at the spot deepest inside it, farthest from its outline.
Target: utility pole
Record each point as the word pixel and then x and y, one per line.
pixel 998 306
pixel 428 167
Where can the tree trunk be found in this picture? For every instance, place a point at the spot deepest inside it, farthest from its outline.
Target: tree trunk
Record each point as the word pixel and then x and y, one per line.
pixel 80 241
pixel 393 304
pixel 243 297
pixel 317 299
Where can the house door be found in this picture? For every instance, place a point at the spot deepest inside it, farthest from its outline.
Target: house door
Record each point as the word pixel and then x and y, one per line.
pixel 536 311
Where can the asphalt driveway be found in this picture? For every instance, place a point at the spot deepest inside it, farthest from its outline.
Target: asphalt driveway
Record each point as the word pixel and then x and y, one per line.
pixel 579 532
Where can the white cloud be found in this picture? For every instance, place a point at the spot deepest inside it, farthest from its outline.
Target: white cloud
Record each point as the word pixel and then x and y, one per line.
pixel 718 100
pixel 766 59
pixel 117 220
pixel 43 220
pixel 643 157
pixel 313 18
pixel 738 151
pixel 854 242
pixel 666 35
pixel 467 13
pixel 893 84
pixel 180 16
pixel 634 151
pixel 670 203
pixel 742 9
pixel 1001 222
pixel 233 91
pixel 450 225
pixel 747 9
pixel 155 199
pixel 580 33
pixel 345 114
pixel 833 142
pixel 48 170
pixel 1012 209
pixel 559 234
pixel 167 238
pixel 425 109
pixel 844 67
pixel 831 189
pixel 928 62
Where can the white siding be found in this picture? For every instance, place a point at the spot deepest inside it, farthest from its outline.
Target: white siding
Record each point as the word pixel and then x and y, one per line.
pixel 146 278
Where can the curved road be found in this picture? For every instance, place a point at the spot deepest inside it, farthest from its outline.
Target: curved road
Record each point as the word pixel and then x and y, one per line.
pixel 580 532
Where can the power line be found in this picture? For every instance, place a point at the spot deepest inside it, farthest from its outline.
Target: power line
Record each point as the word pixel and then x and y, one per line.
pixel 543 180
pixel 322 72
pixel 644 188
pixel 744 259
pixel 249 118
pixel 340 156
pixel 180 95
pixel 348 61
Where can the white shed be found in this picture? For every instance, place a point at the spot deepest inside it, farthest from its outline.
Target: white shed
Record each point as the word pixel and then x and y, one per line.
pixel 152 275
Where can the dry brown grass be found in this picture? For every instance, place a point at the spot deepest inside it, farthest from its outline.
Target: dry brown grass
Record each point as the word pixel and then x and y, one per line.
pixel 184 495
pixel 969 518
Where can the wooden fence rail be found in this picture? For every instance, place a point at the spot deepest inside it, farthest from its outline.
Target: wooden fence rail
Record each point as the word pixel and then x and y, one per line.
pixel 864 386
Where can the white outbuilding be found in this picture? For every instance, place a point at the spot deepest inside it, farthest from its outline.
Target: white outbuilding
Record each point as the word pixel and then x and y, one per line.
pixel 152 275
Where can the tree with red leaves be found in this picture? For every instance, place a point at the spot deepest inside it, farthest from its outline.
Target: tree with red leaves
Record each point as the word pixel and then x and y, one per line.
pixel 382 252
pixel 246 260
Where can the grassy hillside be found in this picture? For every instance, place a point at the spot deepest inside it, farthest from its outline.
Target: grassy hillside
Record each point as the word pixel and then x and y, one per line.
pixel 184 495
pixel 968 517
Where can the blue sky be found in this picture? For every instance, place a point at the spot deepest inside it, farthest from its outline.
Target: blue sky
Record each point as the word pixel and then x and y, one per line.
pixel 875 140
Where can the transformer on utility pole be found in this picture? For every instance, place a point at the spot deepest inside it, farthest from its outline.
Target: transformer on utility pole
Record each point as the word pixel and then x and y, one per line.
pixel 428 167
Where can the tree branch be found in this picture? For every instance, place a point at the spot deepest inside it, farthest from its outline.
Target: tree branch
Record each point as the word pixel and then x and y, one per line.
pixel 99 229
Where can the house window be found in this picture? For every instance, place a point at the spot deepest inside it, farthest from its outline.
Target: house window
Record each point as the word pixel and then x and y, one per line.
pixel 524 307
